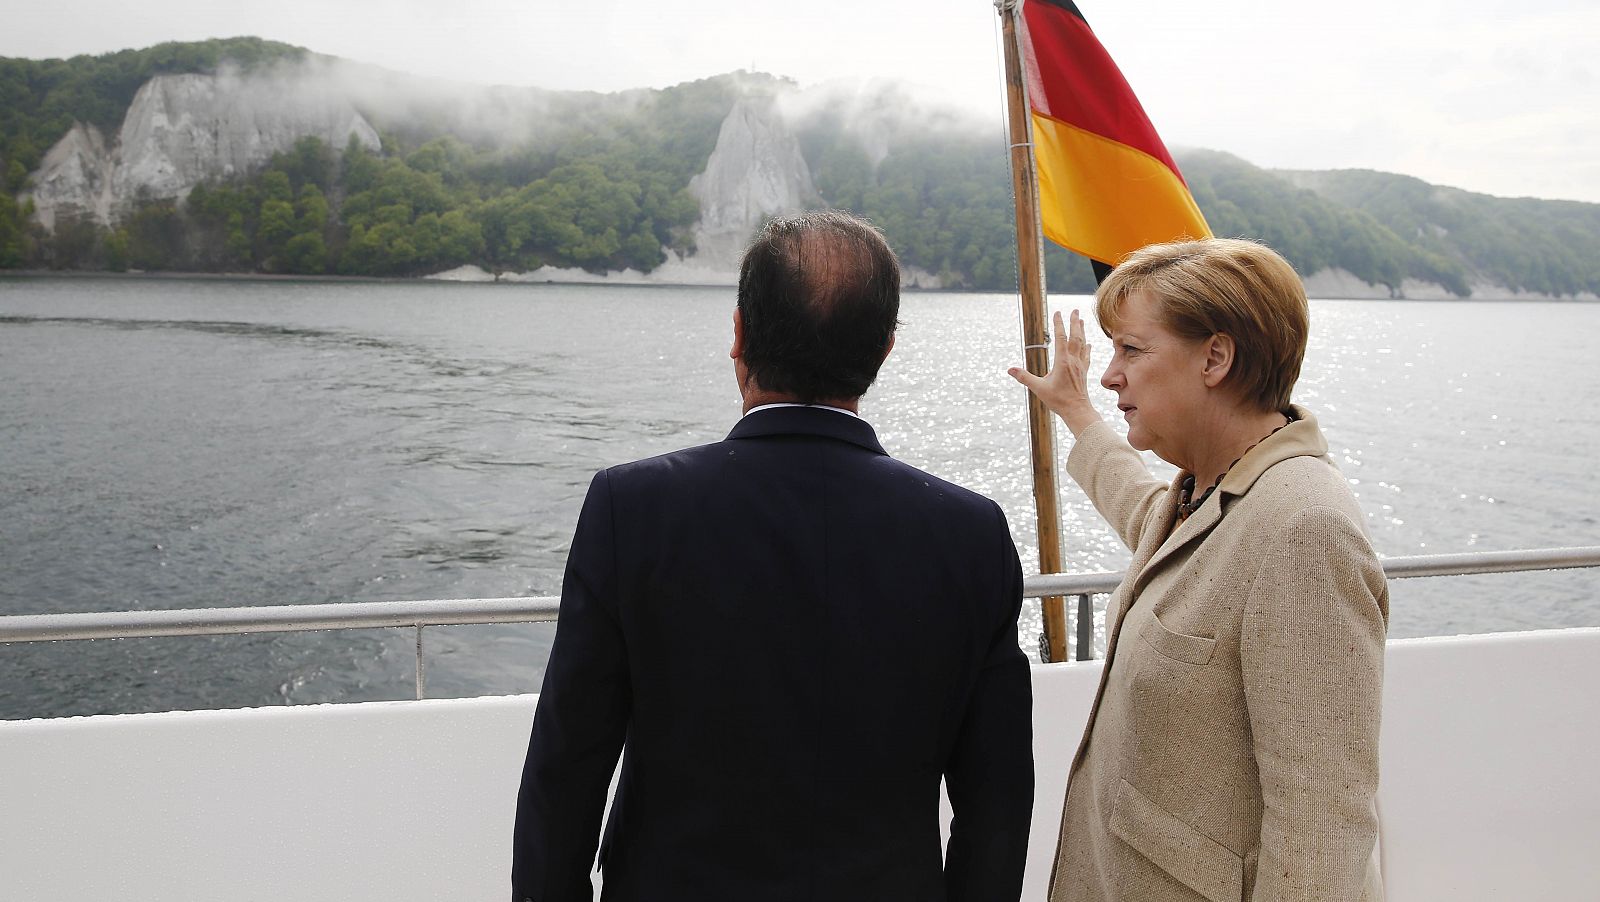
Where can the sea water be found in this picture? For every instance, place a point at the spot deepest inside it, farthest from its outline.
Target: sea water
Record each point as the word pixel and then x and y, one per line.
pixel 176 443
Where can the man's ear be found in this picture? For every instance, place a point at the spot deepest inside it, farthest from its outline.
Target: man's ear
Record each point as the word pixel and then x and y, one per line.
pixel 889 348
pixel 1219 359
pixel 737 350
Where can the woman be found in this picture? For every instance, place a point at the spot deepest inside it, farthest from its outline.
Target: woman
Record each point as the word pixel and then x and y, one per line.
pixel 1232 750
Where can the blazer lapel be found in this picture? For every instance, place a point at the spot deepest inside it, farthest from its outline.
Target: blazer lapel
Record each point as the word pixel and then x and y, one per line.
pixel 1191 530
pixel 1123 598
pixel 1298 439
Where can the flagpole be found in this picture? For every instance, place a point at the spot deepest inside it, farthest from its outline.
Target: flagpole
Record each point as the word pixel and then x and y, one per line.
pixel 1030 273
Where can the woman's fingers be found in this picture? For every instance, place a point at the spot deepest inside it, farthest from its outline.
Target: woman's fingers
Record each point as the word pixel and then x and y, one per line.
pixel 1064 389
pixel 1066 378
pixel 1078 346
pixel 1030 381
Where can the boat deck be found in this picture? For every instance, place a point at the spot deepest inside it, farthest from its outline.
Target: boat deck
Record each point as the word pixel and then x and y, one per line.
pixel 1489 788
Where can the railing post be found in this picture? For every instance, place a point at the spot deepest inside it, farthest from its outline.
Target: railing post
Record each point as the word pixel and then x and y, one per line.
pixel 1085 627
pixel 421 673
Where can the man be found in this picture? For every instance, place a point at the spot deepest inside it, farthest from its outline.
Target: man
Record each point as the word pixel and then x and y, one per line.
pixel 795 636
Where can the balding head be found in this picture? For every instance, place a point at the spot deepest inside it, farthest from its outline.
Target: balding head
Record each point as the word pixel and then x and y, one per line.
pixel 819 298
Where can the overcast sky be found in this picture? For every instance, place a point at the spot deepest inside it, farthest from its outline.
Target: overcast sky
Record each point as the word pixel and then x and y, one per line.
pixel 1497 96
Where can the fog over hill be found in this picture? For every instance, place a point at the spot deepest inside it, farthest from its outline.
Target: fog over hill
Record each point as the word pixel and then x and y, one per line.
pixel 243 155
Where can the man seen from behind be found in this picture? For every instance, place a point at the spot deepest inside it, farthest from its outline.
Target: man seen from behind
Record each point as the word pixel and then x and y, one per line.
pixel 789 636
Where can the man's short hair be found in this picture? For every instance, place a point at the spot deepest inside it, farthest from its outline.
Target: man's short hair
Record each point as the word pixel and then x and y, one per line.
pixel 819 296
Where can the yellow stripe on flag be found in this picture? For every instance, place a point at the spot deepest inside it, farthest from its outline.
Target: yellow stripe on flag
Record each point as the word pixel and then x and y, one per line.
pixel 1104 199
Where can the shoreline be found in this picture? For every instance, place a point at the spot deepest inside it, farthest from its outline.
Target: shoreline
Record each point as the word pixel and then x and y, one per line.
pixel 164 275
pixel 176 275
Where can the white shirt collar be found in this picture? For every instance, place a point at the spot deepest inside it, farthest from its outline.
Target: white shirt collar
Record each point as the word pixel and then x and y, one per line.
pixel 848 413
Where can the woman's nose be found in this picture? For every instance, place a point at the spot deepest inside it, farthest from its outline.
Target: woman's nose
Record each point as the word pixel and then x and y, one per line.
pixel 1110 379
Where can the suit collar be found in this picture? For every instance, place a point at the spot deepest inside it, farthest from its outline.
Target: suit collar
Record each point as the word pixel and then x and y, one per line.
pixel 1302 438
pixel 848 413
pixel 807 421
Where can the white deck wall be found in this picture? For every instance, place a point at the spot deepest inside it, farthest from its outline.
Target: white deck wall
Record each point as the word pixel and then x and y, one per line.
pixel 1490 788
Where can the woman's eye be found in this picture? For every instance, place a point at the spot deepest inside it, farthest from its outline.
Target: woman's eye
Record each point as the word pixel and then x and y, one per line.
pixel 1129 349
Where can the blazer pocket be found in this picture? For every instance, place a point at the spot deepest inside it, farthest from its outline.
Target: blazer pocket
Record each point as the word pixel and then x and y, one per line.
pixel 1177 646
pixel 1192 858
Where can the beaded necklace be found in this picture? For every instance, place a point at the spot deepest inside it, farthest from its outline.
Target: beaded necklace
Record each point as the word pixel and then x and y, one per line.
pixel 1186 506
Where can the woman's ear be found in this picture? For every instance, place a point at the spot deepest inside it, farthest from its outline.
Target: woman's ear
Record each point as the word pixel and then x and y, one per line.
pixel 1219 359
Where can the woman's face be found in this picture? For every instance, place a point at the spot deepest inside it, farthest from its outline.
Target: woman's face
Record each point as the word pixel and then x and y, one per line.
pixel 1159 378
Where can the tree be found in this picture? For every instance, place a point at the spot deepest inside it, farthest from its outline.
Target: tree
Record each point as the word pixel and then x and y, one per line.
pixel 277 224
pixel 117 254
pixel 360 167
pixel 12 232
pixel 16 177
pixel 305 254
pixel 155 237
pixel 238 244
pixel 76 243
pixel 311 210
pixel 275 185
pixel 309 163
pixel 460 240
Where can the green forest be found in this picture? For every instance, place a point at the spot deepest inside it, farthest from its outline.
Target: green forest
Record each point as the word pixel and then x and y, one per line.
pixel 1544 246
pixel 605 187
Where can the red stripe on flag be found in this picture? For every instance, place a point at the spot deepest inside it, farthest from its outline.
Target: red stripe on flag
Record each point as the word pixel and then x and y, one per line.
pixel 1072 79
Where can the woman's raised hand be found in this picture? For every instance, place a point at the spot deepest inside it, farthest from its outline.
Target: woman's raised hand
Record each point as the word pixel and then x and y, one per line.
pixel 1065 389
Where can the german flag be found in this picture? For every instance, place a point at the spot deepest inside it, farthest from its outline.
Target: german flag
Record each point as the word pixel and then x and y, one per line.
pixel 1107 185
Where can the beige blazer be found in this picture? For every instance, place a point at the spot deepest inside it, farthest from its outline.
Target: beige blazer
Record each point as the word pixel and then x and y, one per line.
pixel 1232 749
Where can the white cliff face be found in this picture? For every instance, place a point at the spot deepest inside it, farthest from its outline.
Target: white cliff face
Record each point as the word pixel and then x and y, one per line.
pixel 183 129
pixel 76 172
pixel 756 172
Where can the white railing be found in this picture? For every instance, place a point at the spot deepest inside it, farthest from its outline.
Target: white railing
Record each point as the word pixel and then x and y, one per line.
pixel 450 612
pixel 1086 585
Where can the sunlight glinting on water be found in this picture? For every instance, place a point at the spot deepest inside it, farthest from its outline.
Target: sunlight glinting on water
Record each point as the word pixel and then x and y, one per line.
pixel 191 443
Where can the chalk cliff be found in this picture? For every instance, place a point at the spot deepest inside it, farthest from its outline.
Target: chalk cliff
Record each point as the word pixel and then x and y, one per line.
pixel 183 129
pixel 755 172
pixel 75 175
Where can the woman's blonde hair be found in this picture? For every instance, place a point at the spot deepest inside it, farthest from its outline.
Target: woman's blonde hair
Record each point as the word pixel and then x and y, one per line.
pixel 1225 286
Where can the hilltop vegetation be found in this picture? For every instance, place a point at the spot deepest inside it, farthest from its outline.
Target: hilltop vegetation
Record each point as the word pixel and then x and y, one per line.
pixel 1544 246
pixel 602 185
pixel 432 208
pixel 40 99
pixel 603 188
pixel 1314 233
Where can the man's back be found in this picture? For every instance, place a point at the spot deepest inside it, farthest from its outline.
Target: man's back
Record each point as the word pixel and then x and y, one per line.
pixel 795 635
pixel 804 635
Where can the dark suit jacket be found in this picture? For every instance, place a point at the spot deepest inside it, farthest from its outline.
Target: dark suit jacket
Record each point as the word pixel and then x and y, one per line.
pixel 796 636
